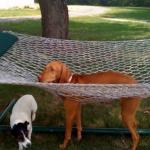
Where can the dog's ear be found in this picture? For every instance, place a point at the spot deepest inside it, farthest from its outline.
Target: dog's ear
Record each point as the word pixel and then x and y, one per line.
pixel 65 74
pixel 26 123
pixel 14 130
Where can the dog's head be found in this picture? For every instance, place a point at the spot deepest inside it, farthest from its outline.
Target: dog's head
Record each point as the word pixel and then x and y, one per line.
pixel 55 72
pixel 20 132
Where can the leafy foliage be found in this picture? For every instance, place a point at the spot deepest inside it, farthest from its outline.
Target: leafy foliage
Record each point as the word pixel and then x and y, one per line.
pixel 138 3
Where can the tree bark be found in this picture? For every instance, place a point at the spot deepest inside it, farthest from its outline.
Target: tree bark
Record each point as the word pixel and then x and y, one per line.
pixel 55 18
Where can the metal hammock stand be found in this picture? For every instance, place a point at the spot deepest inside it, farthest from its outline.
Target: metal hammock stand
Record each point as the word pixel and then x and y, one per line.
pixel 21 64
pixel 50 129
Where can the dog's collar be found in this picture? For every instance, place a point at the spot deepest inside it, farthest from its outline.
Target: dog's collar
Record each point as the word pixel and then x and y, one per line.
pixel 70 78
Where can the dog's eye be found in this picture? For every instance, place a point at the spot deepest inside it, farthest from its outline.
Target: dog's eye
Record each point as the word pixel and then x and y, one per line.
pixel 51 69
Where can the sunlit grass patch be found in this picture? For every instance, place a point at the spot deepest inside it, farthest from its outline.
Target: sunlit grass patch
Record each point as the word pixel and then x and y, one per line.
pixel 19 12
pixel 132 13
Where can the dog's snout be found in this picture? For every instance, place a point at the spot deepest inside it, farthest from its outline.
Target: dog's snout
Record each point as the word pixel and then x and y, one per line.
pixel 28 144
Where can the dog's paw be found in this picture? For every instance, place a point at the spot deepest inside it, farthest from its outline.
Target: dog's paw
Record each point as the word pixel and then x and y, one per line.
pixel 79 138
pixel 62 146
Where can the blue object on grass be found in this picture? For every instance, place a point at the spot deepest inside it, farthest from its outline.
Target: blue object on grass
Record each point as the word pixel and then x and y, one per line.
pixel 6 41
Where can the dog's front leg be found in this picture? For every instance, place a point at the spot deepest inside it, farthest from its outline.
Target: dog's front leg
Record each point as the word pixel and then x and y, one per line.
pixel 68 130
pixel 30 133
pixel 70 113
pixel 20 146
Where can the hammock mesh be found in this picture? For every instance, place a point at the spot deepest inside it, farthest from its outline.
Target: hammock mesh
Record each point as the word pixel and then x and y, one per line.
pixel 27 57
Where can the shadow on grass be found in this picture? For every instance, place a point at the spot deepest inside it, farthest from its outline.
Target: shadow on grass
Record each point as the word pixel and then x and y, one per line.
pixel 27 27
pixel 94 29
pixel 108 30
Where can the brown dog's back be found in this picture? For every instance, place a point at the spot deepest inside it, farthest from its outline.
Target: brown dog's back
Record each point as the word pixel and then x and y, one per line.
pixel 109 77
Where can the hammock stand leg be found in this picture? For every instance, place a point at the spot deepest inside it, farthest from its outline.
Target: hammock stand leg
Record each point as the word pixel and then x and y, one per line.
pixel 7 110
pixel 110 131
pixel 50 129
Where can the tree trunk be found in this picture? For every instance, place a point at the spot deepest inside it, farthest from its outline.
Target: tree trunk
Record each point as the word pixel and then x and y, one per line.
pixel 54 18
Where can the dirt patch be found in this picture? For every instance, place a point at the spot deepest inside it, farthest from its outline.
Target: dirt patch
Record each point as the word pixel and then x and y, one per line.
pixel 77 10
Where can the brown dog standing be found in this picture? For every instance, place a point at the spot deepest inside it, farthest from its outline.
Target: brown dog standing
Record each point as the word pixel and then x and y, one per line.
pixel 57 72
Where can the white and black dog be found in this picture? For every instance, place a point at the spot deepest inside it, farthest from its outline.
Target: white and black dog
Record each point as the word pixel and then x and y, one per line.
pixel 23 113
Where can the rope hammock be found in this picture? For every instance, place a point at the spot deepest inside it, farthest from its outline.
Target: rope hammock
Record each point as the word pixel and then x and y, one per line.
pixel 23 62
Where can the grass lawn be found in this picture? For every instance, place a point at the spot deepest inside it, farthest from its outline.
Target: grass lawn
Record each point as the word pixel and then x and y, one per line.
pixel 19 12
pixel 135 13
pixel 51 112
pixel 117 24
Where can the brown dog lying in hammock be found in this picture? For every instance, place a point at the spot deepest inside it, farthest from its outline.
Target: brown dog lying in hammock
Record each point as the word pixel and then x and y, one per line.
pixel 57 72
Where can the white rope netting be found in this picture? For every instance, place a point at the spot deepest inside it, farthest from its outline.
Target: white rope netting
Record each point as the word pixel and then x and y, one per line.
pixel 27 57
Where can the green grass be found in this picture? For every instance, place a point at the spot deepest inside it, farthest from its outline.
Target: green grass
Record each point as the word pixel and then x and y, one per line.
pixel 95 28
pixel 100 27
pixel 104 27
pixel 90 142
pixel 135 13
pixel 51 111
pixel 91 28
pixel 28 27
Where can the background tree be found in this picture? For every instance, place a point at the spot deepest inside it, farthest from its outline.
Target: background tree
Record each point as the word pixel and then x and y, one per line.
pixel 54 18
pixel 141 3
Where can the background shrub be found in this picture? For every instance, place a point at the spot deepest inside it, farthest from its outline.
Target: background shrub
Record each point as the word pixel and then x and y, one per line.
pixel 139 3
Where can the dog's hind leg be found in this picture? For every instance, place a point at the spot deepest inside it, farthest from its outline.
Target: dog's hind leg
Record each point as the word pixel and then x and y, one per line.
pixel 78 123
pixel 128 112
